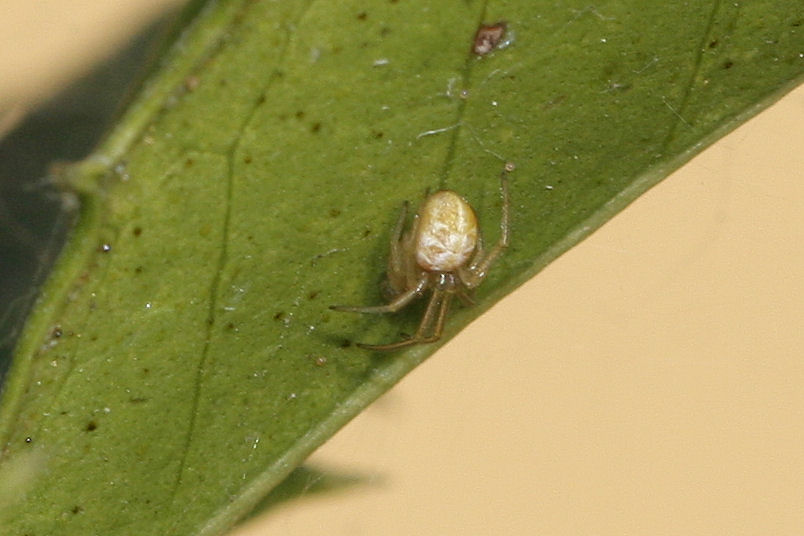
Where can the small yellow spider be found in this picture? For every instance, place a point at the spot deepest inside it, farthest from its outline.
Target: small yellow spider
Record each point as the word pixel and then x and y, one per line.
pixel 442 251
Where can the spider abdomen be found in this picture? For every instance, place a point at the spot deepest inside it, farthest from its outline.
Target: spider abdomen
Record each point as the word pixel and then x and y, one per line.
pixel 446 236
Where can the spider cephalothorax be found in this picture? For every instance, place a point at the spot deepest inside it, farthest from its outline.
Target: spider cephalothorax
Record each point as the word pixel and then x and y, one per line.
pixel 441 252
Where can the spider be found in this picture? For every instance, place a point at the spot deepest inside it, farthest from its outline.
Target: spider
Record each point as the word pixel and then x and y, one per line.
pixel 443 252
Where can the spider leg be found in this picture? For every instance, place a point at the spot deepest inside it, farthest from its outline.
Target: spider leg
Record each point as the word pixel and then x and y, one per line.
pixel 479 251
pixel 396 272
pixel 442 316
pixel 438 302
pixel 400 301
pixel 476 272
pixel 409 269
pixel 465 297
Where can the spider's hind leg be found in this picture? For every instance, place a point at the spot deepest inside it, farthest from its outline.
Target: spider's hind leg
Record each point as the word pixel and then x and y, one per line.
pixel 436 311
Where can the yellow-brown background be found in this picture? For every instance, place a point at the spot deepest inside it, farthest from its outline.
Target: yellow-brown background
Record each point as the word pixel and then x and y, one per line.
pixel 647 382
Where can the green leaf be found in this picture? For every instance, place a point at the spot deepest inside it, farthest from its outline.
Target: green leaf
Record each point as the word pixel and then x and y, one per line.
pixel 182 359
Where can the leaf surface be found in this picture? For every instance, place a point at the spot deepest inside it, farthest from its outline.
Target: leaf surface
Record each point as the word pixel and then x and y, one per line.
pixel 183 360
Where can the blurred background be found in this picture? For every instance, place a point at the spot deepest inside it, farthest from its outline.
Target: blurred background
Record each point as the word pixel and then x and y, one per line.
pixel 647 382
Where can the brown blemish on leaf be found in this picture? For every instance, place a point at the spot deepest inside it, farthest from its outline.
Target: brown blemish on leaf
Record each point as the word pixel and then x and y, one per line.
pixel 191 83
pixel 488 37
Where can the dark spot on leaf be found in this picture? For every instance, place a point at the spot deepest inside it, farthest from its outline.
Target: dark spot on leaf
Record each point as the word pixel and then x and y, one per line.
pixel 378 134
pixel 728 64
pixel 91 426
pixel 334 213
pixel 279 316
pixel 189 162
pixel 345 343
pixel 138 270
pixel 231 326
pixel 552 103
pixel 247 159
pixel 315 128
pixel 300 114
pixel 362 15
pixel 366 233
pixel 77 509
pixel 313 295
pixel 385 30
pixel 138 400
pixel 137 231
pixel 261 99
pixel 713 43
pixel 487 37
pixel 146 371
pixel 191 83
